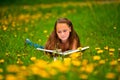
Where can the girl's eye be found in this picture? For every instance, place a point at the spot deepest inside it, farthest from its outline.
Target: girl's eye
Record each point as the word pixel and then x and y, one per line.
pixel 64 30
pixel 59 31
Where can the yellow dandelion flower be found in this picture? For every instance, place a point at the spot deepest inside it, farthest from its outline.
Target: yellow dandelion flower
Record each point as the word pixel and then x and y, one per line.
pixel 21 17
pixel 1 70
pixel 75 55
pixel 19 61
pixel 24 54
pixel 23 67
pixel 118 59
pixel 12 68
pixel 52 72
pixel 89 68
pixel 83 76
pixel 106 47
pixel 76 62
pixel 114 27
pixel 67 61
pixel 26 29
pixel 113 63
pixel 79 48
pixel 111 49
pixel 84 62
pixel 102 62
pixel 59 66
pixel 15 35
pixel 39 40
pixel 18 55
pixel 97 48
pixel 119 49
pixel 82 69
pixel 41 64
pixel 7 54
pixel 1 77
pixel 47 36
pixel 110 75
pixel 100 51
pixel 34 69
pixel 33 58
pixel 45 31
pixel 43 73
pixel 11 77
pixel 2 60
pixel 111 53
pixel 96 57
pixel 4 27
pixel 13 24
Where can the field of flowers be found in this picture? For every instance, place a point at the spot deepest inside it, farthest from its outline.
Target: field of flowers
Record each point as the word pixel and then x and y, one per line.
pixel 97 24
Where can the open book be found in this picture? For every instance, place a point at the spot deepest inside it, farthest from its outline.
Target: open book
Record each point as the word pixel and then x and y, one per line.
pixel 57 51
pixel 63 53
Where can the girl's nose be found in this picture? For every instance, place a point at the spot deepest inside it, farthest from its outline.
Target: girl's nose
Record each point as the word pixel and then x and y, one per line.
pixel 62 33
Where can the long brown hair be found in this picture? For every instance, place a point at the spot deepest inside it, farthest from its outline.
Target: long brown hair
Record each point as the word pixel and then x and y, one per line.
pixel 54 42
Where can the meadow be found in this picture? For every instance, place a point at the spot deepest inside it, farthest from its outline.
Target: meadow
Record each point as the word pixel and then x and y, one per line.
pixel 97 24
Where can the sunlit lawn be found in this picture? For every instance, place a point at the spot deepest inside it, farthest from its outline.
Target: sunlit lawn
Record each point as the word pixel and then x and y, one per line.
pixel 96 24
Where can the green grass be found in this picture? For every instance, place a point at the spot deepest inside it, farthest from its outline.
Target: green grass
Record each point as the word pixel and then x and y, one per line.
pixel 97 26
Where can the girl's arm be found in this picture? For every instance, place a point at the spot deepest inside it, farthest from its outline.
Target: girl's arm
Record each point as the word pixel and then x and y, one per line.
pixel 74 46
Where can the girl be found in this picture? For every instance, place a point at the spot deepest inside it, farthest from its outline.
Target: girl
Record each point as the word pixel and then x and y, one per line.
pixel 63 36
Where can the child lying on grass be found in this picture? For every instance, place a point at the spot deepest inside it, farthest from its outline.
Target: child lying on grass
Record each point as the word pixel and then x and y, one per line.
pixel 63 37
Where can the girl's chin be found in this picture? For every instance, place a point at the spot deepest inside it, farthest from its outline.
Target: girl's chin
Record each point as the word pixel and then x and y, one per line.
pixel 63 40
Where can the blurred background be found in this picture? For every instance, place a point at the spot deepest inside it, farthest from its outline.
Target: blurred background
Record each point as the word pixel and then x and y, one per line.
pixel 32 2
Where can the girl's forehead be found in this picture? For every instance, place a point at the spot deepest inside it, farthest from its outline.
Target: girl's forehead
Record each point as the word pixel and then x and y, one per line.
pixel 62 25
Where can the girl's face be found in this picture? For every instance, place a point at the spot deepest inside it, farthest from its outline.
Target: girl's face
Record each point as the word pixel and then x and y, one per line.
pixel 63 31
